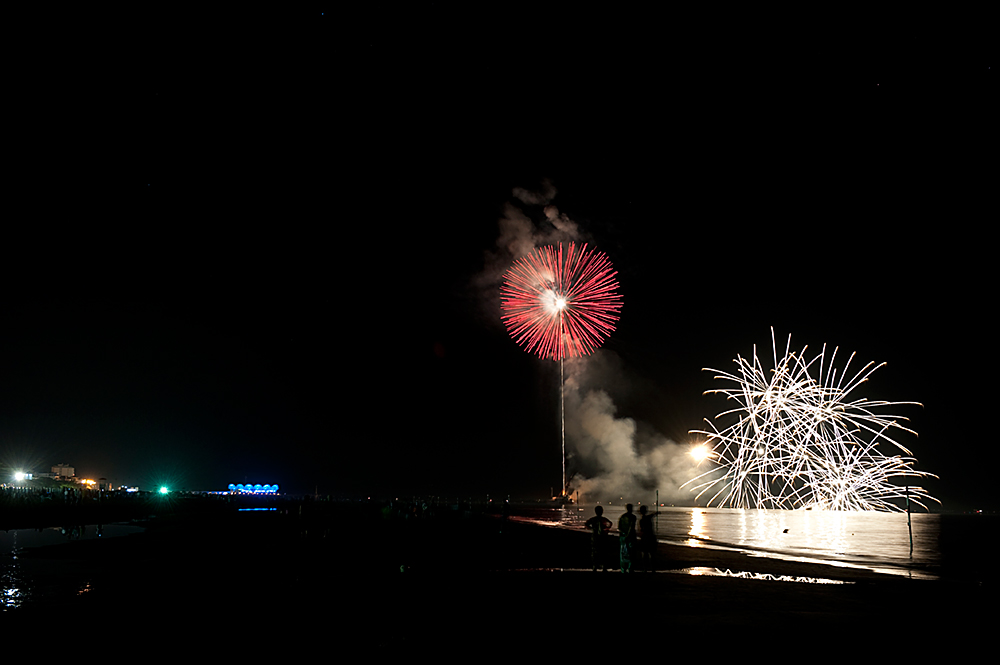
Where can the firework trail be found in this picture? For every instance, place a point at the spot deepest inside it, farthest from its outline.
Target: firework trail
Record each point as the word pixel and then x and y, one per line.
pixel 804 442
pixel 560 301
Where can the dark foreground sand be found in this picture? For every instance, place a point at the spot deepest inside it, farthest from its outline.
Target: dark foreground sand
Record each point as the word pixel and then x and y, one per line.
pixel 472 588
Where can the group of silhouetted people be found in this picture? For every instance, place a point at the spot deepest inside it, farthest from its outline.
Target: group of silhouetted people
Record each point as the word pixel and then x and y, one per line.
pixel 634 537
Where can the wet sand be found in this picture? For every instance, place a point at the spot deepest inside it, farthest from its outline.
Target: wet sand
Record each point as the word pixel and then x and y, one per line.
pixel 547 581
pixel 474 587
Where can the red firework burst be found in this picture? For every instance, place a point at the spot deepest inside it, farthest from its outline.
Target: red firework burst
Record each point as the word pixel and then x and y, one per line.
pixel 560 302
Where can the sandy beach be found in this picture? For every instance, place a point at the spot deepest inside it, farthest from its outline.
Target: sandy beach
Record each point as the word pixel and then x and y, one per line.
pixel 478 586
pixel 547 581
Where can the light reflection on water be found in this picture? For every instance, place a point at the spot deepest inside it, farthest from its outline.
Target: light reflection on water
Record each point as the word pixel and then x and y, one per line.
pixel 16 586
pixel 869 540
pixel 12 584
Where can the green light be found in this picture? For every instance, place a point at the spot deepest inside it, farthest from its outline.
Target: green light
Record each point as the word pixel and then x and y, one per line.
pixel 163 490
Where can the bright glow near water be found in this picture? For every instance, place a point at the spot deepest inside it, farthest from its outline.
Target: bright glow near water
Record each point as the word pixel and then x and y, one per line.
pixel 871 540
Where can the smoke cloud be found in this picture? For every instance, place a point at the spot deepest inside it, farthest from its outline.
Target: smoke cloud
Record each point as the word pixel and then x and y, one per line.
pixel 542 197
pixel 612 456
pixel 520 235
pixel 529 221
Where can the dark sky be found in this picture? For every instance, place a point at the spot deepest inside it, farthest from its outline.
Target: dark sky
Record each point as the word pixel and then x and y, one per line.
pixel 285 288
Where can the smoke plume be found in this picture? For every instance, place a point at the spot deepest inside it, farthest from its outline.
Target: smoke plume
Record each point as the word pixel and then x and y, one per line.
pixel 532 221
pixel 613 456
pixel 529 221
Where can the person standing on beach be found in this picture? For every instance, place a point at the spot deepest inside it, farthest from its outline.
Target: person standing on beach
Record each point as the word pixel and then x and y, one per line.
pixel 647 540
pixel 599 526
pixel 626 537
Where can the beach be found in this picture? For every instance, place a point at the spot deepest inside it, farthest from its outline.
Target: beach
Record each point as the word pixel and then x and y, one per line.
pixel 472 583
pixel 682 607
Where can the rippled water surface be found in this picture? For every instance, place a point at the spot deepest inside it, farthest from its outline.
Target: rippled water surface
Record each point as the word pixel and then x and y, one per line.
pixel 870 540
pixel 20 581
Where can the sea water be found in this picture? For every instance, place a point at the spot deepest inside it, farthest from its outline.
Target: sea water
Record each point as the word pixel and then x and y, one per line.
pixel 918 545
pixel 18 585
pixel 957 547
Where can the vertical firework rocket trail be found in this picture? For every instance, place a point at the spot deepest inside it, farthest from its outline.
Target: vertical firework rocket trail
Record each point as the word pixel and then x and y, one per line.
pixel 803 442
pixel 560 302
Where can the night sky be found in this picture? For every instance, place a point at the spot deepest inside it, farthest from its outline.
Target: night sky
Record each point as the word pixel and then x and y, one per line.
pixel 295 284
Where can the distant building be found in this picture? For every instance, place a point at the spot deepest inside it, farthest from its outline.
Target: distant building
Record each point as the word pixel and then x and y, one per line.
pixel 63 471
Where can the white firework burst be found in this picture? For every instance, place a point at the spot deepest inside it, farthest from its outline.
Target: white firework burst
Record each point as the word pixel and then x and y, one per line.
pixel 803 441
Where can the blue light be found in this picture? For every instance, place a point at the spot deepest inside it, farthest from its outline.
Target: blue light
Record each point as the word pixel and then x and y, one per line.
pixel 253 489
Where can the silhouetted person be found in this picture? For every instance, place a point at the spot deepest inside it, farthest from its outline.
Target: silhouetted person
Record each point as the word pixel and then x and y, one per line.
pixel 626 537
pixel 504 515
pixel 647 540
pixel 599 526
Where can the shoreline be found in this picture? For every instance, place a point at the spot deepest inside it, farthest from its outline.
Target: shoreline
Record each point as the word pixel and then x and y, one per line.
pixel 705 552
pixel 548 570
pixel 673 557
pixel 901 570
pixel 572 542
pixel 471 581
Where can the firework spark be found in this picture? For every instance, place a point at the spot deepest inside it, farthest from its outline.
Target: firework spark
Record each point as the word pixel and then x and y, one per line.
pixel 560 302
pixel 805 442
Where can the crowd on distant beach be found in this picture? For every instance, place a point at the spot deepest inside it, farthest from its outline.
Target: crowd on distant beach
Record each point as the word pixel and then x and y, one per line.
pixel 16 496
pixel 407 510
pixel 32 506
